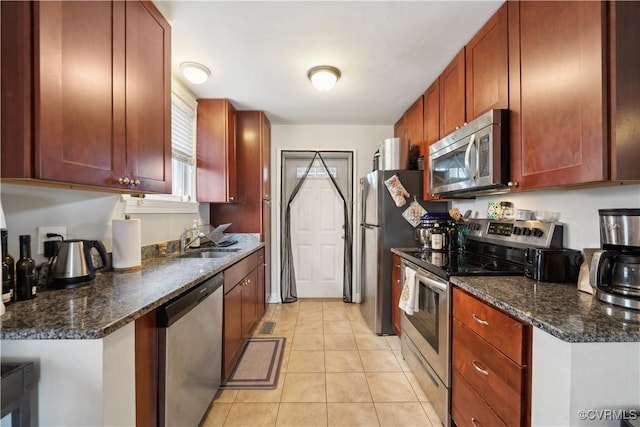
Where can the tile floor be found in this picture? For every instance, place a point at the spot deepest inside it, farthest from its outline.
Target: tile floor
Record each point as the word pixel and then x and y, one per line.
pixel 335 372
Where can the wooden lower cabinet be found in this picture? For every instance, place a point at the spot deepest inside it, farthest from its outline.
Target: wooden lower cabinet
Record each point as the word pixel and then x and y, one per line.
pixel 243 305
pixel 396 290
pixel 491 363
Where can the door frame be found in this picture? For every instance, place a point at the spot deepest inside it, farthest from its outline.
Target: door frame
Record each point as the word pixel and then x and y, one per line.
pixel 274 296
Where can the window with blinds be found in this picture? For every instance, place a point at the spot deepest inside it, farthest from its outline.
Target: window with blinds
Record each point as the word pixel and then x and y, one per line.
pixel 183 118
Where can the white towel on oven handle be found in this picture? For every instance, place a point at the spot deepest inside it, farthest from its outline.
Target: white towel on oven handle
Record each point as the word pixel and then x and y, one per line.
pixel 409 302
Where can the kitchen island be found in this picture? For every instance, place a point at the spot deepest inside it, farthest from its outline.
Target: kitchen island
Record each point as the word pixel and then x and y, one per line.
pixel 83 340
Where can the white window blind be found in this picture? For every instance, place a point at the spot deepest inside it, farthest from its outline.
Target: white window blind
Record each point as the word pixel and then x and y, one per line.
pixel 182 118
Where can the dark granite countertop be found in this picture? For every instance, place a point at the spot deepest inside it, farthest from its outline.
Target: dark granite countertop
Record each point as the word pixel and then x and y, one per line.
pixel 556 308
pixel 114 299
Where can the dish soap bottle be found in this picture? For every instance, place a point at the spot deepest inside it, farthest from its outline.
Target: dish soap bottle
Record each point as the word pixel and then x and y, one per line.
pixel 194 235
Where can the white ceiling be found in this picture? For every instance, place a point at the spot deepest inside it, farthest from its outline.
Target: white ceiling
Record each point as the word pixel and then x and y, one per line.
pixel 260 52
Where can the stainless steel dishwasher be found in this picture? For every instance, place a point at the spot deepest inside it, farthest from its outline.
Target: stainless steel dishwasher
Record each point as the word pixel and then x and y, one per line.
pixel 190 347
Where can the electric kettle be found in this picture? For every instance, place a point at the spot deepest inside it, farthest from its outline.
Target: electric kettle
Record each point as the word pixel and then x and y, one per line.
pixel 72 265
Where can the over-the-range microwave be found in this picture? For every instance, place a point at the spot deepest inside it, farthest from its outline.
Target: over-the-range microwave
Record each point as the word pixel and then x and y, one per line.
pixel 473 159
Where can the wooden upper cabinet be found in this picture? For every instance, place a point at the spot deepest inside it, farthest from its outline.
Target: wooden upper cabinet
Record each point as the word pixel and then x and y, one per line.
pixel 86 94
pixel 625 93
pixel 452 95
pixel 412 120
pixel 487 67
pixel 148 97
pixel 557 93
pixel 431 121
pixel 431 131
pixel 399 130
pixel 216 151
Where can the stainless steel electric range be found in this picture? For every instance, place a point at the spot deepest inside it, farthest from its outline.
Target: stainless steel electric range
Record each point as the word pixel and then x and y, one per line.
pixel 493 248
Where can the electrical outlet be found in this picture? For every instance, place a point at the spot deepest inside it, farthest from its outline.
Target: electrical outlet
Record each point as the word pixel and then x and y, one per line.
pixel 42 235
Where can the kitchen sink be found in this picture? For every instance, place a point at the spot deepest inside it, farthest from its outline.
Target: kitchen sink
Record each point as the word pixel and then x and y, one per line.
pixel 210 253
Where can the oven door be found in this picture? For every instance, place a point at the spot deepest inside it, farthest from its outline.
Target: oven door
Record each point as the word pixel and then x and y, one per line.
pixel 430 327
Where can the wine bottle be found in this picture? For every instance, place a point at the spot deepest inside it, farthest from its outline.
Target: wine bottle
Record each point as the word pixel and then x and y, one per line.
pixel 26 279
pixel 8 271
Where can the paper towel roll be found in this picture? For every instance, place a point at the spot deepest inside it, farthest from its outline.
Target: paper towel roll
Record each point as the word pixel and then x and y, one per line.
pixel 126 244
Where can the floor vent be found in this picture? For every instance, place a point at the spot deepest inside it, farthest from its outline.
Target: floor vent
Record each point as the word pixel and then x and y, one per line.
pixel 267 328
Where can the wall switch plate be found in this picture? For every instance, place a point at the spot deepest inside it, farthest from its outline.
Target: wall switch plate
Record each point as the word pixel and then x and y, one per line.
pixel 42 235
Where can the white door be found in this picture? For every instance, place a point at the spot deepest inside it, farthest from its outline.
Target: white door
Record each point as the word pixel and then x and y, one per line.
pixel 317 220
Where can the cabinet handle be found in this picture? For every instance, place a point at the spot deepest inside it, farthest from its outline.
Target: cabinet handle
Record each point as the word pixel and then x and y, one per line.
pixel 232 198
pixel 124 181
pixel 473 421
pixel 479 369
pixel 477 319
pixel 512 184
pixel 136 183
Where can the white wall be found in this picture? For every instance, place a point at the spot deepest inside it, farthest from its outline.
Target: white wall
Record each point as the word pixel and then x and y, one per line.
pixel 86 214
pixel 362 140
pixel 578 208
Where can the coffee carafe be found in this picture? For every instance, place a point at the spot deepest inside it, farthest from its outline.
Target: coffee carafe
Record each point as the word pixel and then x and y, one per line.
pixel 615 270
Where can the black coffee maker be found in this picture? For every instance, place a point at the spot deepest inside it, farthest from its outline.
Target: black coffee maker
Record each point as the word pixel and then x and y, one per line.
pixel 615 270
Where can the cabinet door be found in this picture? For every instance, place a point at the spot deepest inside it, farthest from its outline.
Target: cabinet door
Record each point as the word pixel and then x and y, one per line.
pixel 557 95
pixel 431 132
pixel 216 151
pixel 413 123
pixel 399 130
pixel 261 269
pixel 396 290
pixel 487 67
pixel 232 337
pixel 148 97
pixel 249 303
pixel 452 95
pixel 79 92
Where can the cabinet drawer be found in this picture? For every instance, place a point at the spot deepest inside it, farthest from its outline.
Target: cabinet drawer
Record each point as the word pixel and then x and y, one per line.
pixel 467 407
pixel 238 271
pixel 261 256
pixel 494 376
pixel 501 330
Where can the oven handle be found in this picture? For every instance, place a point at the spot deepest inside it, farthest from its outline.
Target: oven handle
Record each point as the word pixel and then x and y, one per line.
pixel 467 156
pixel 432 283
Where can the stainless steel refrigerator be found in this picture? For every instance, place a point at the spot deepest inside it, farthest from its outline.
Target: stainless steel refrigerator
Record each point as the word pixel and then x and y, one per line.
pixel 383 227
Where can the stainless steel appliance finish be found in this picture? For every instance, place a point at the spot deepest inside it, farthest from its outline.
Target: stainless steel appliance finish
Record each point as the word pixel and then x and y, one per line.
pixel 615 270
pixel 473 158
pixel 382 228
pixel 493 248
pixel 620 228
pixel 72 265
pixel 426 333
pixel 190 347
pixel 394 154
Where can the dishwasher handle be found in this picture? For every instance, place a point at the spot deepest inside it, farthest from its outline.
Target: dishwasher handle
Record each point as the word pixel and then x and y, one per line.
pixel 172 311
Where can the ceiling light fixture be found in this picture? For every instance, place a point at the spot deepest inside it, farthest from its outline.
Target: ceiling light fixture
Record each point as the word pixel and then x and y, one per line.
pixel 323 77
pixel 194 72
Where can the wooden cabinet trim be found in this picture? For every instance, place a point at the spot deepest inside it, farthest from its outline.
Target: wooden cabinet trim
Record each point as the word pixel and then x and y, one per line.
pixel 147 369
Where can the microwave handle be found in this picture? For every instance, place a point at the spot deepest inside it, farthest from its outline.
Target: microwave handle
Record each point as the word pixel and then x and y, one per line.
pixel 467 155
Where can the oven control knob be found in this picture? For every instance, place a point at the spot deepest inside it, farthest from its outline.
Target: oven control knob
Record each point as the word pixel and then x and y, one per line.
pixel 517 231
pixel 537 232
pixel 527 232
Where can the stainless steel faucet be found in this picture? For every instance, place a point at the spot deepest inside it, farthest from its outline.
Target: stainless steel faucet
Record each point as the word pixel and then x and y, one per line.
pixel 184 245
